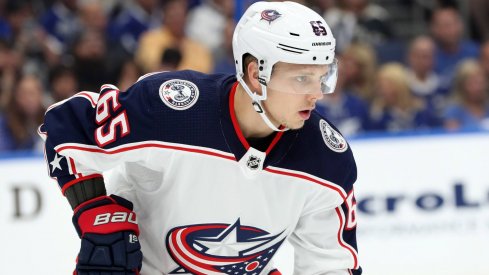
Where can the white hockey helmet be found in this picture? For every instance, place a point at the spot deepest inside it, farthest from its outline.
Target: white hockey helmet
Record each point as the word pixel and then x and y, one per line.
pixel 283 32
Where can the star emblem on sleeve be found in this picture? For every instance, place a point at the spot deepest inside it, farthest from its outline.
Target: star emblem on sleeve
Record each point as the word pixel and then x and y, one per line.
pixel 56 163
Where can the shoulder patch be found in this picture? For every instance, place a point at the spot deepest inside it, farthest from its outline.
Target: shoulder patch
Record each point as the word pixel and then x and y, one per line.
pixel 332 138
pixel 179 94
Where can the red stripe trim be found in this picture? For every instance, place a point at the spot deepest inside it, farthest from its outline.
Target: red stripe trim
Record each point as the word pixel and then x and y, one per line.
pixel 340 240
pixel 73 167
pixel 335 188
pixel 237 129
pixel 75 181
pixel 93 200
pixel 108 86
pixel 182 254
pixel 250 229
pixel 275 272
pixel 185 232
pixel 191 250
pixel 233 118
pixel 129 148
pixel 179 255
pixel 274 141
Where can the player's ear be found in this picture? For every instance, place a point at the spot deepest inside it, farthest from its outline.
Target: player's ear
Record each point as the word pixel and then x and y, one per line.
pixel 252 72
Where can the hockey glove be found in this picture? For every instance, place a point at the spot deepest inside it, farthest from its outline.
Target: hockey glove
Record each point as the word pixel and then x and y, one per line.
pixel 109 237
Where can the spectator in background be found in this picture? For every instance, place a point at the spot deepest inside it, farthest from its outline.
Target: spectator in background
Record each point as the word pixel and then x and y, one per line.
pixel 172 35
pixel 63 83
pixel 322 6
pixel 91 62
pixel 94 18
pixel 22 116
pixel 4 25
pixel 128 75
pixel 92 15
pixel 10 67
pixel 470 105
pixel 346 110
pixel 479 19
pixel 358 20
pixel 451 47
pixel 206 23
pixel 16 13
pixel 61 22
pixel 394 108
pixel 29 39
pixel 134 18
pixel 360 75
pixel 170 59
pixel 224 59
pixel 484 58
pixel 423 81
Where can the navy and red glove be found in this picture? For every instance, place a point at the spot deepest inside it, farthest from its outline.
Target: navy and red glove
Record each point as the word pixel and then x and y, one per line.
pixel 109 234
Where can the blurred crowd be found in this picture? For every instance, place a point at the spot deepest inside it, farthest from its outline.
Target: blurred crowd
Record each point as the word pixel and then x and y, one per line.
pixel 436 79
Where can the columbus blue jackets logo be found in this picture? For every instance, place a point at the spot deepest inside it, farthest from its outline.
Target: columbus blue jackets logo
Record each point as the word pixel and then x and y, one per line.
pixel 332 138
pixel 179 94
pixel 270 15
pixel 221 249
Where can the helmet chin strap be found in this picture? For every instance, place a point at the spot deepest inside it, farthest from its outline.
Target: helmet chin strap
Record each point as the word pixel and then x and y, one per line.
pixel 257 105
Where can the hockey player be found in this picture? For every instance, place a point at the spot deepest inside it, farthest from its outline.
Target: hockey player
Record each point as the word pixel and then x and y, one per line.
pixel 220 169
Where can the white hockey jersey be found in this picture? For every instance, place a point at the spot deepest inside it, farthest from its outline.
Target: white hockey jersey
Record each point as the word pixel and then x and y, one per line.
pixel 206 201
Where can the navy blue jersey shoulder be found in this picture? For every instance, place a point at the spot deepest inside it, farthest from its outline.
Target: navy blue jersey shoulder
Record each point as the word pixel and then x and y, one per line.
pixel 197 125
pixel 312 155
pixel 177 107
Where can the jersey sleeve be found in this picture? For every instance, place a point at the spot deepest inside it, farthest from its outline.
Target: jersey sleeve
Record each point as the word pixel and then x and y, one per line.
pixel 86 134
pixel 324 240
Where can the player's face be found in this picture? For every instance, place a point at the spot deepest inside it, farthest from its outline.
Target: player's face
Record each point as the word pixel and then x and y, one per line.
pixel 286 103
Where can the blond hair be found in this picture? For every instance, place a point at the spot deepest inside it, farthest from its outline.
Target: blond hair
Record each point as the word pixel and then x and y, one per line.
pixel 395 73
pixel 365 56
pixel 464 71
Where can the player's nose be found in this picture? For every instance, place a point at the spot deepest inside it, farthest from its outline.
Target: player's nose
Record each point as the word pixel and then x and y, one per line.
pixel 316 94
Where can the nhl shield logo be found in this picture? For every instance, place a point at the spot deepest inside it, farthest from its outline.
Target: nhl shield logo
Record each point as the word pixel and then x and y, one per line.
pixel 179 94
pixel 332 138
pixel 253 162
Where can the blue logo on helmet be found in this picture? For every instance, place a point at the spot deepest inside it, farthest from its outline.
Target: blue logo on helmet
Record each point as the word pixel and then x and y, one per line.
pixel 270 15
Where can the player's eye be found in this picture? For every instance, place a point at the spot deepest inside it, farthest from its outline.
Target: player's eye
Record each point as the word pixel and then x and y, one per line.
pixel 301 78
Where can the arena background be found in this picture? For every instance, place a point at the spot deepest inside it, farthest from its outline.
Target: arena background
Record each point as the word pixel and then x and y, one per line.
pixel 422 190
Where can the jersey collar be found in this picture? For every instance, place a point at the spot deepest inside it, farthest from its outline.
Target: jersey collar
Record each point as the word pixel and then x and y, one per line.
pixel 236 141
